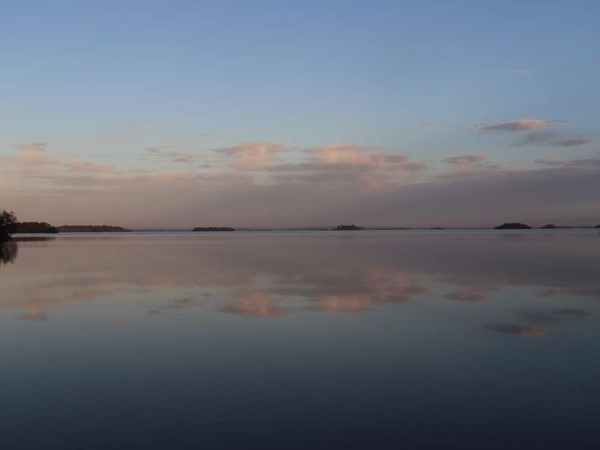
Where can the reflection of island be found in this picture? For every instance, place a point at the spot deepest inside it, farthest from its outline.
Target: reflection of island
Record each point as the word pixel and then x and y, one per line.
pixel 347 227
pixel 512 226
pixel 213 229
pixel 8 251
pixel 393 269
pixel 91 229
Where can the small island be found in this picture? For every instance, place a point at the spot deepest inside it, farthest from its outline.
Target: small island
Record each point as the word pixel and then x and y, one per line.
pixel 558 227
pixel 512 226
pixel 597 226
pixel 92 229
pixel 213 229
pixel 347 227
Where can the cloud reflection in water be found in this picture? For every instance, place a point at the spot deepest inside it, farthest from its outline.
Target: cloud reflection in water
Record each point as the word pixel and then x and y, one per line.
pixel 273 275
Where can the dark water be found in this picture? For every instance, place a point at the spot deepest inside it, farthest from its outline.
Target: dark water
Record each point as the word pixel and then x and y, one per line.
pixel 381 340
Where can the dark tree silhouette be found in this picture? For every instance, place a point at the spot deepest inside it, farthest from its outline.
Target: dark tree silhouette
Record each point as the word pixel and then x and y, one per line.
pixel 8 223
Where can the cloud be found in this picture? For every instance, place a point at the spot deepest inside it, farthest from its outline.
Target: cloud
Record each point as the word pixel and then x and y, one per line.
pixel 536 137
pixel 84 166
pixel 32 154
pixel 587 162
pixel 352 166
pixel 173 156
pixel 356 156
pixel 318 186
pixel 254 304
pixel 175 305
pixel 517 125
pixel 465 160
pixel 545 137
pixel 252 155
pixel 574 142
pixel 32 146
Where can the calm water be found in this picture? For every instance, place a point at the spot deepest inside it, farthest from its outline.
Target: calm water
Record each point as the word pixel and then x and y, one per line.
pixel 372 340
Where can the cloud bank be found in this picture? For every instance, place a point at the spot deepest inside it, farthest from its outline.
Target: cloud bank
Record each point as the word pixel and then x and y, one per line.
pixel 275 185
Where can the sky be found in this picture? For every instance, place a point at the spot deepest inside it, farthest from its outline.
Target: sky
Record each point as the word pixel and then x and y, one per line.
pixel 153 114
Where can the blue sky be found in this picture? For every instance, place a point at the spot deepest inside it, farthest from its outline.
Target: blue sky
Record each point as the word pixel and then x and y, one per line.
pixel 102 82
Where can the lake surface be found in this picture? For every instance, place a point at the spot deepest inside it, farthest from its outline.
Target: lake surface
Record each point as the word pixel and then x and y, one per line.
pixel 330 340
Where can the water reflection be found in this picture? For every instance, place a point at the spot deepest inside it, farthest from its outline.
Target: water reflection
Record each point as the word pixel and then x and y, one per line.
pixel 376 340
pixel 273 275
pixel 8 252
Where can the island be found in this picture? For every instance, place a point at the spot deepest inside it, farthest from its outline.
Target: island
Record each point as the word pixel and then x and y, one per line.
pixel 512 226
pixel 34 227
pixel 597 226
pixel 347 227
pixel 213 229
pixel 92 229
pixel 549 227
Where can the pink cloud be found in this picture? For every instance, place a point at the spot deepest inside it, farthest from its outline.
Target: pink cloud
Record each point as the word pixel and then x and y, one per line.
pixel 84 166
pixel 32 154
pixel 252 155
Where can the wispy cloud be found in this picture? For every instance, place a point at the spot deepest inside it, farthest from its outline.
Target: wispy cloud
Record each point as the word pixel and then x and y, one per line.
pixel 84 166
pixel 32 154
pixel 587 162
pixel 32 146
pixel 574 142
pixel 517 125
pixel 170 154
pixel 548 137
pixel 465 160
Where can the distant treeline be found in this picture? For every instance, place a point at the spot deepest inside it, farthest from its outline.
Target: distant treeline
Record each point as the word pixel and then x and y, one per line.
pixel 44 227
pixel 9 225
pixel 213 229
pixel 92 229
pixel 522 226
pixel 35 227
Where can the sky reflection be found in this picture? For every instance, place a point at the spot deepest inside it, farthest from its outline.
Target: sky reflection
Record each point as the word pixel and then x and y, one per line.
pixel 272 275
pixel 301 340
